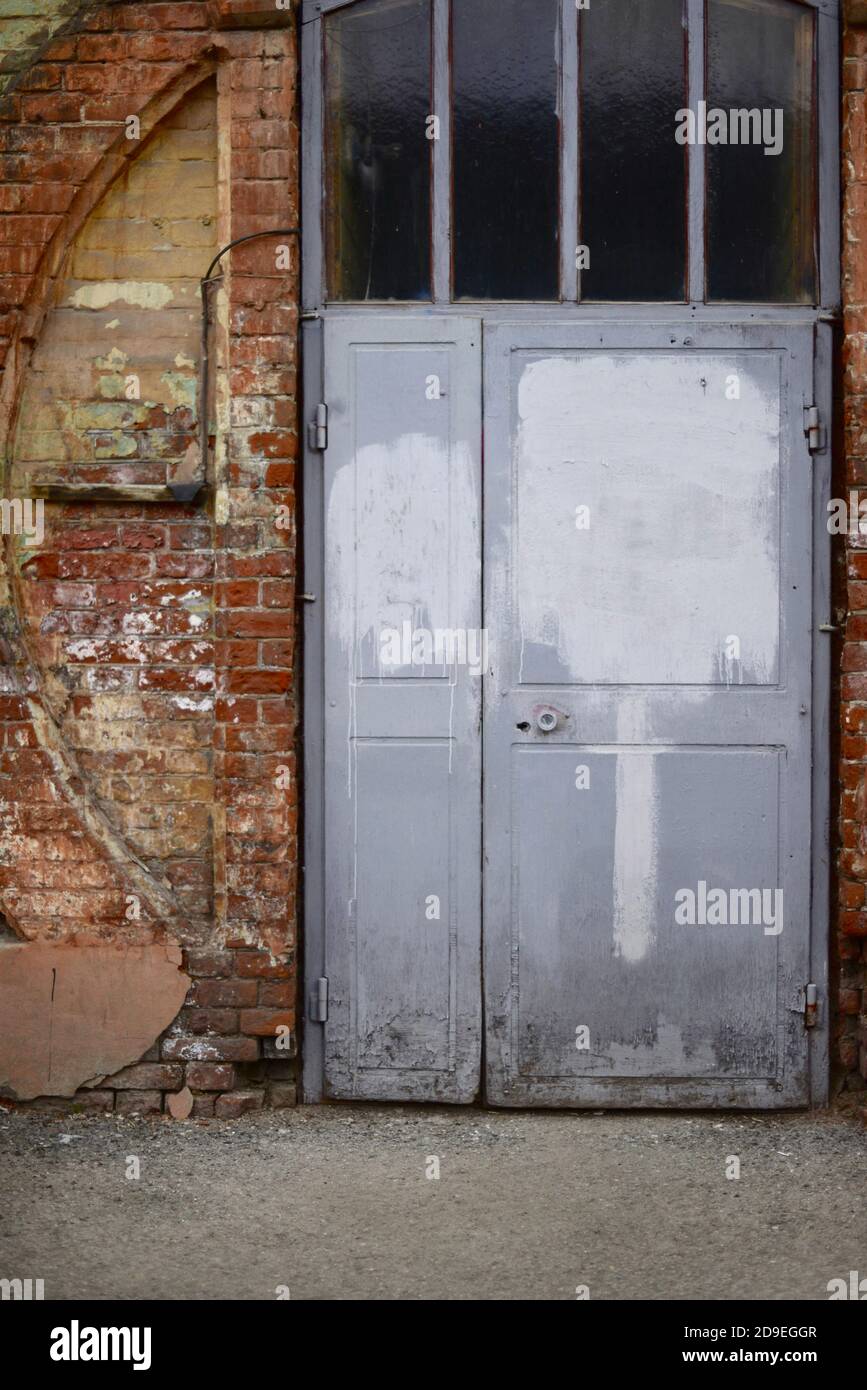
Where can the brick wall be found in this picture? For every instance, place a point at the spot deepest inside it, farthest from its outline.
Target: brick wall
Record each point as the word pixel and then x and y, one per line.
pixel 850 1024
pixel 148 697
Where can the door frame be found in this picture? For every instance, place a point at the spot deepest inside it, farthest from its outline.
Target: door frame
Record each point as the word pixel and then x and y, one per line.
pixel 825 315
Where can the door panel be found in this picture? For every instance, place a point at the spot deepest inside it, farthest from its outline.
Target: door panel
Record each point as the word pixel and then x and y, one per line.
pixel 403 711
pixel 648 591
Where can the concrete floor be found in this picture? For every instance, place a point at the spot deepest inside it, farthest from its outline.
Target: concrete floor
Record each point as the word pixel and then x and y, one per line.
pixel 334 1202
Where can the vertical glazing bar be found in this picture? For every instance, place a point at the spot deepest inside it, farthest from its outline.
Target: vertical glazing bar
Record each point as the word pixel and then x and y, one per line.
pixel 827 107
pixel 312 270
pixel 695 11
pixel 442 219
pixel 570 151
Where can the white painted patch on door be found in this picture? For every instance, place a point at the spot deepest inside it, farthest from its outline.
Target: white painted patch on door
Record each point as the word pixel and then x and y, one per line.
pixel 635 837
pixel 401 536
pixel 677 490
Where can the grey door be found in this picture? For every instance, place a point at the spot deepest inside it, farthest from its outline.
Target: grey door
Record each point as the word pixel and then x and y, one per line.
pixel 648 498
pixel 402 777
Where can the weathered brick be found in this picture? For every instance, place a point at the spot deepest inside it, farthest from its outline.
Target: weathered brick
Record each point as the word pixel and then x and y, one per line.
pixel 272 995
pixel 266 1022
pixel 198 1021
pixel 236 1103
pixel 259 965
pixel 147 1076
pixel 100 1102
pixel 210 1049
pixel 139 1103
pixel 230 994
pixel 281 1094
pixel 218 964
pixel 210 1076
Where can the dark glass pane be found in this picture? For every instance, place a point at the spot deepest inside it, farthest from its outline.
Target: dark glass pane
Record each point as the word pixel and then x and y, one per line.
pixel 761 207
pixel 378 156
pixel 633 172
pixel 505 149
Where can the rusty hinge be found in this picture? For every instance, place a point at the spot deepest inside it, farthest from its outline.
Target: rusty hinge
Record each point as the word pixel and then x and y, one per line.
pixel 317 430
pixel 319 1000
pixel 814 429
pixel 811 1006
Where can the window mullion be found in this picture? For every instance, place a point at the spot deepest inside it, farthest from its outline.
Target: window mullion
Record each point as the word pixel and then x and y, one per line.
pixel 696 153
pixel 442 155
pixel 570 151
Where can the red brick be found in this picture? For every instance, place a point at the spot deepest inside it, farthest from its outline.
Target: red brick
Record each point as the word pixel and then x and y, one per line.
pixel 209 1076
pixel 237 1103
pixel 232 711
pixel 278 594
pixel 237 593
pixel 849 1001
pixel 272 995
pixel 259 965
pixel 260 682
pixel 266 1023
pixel 232 994
pixel 207 1021
pixel 209 963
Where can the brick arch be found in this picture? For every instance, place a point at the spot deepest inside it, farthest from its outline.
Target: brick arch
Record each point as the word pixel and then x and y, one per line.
pixel 36 747
pixel 26 301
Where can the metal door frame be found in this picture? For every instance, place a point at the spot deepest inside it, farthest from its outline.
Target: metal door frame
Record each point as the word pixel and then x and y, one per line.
pixel 314 308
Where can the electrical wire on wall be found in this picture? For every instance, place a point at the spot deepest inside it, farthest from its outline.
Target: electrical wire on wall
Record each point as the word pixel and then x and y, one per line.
pixel 187 490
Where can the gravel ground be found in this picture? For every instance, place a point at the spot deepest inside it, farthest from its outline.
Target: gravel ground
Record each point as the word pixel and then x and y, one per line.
pixel 334 1202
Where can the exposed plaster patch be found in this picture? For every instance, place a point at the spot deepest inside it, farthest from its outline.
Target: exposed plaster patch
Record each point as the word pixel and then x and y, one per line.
pixel 71 1013
pixel 144 294
pixel 116 358
pixel 182 389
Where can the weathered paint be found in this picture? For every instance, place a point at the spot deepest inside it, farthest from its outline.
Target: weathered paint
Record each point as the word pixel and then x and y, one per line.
pixel 402 741
pixel 709 487
pixel 634 886
pixel 699 530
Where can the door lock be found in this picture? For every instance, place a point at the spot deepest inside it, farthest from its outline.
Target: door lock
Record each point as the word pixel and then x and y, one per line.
pixel 547 721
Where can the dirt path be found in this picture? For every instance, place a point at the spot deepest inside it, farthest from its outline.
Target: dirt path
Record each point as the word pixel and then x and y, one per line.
pixel 334 1202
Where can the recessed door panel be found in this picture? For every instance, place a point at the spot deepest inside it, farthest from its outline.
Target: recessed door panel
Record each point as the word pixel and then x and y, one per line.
pixel 596 935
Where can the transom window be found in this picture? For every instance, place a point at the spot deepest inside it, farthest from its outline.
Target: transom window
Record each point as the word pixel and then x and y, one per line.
pixel 557 150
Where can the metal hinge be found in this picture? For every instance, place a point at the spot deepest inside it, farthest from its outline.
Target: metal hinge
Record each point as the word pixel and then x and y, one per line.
pixel 811 1006
pixel 814 429
pixel 317 430
pixel 319 1000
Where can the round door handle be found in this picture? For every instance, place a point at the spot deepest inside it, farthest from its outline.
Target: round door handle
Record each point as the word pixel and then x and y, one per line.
pixel 547 721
